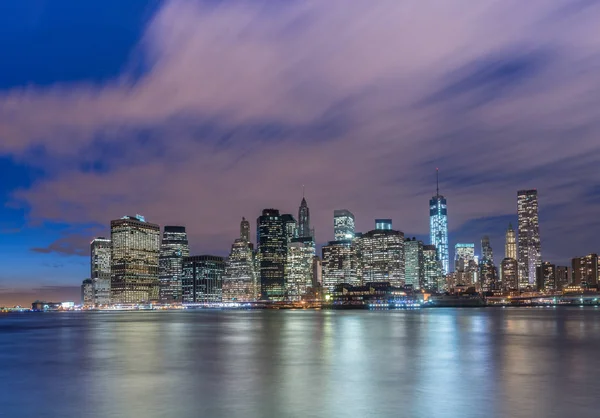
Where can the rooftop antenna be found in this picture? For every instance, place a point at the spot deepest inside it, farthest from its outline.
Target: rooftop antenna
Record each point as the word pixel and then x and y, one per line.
pixel 303 191
pixel 437 181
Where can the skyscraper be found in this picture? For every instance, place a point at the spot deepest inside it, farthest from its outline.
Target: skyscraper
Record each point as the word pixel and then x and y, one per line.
pixel 509 276
pixel 134 260
pixel 100 249
pixel 202 280
pixel 432 270
pixel 173 249
pixel 339 264
pixel 290 227
pixel 546 277
pixel 239 278
pixel 272 252
pixel 463 255
pixel 529 237
pixel 383 224
pixel 486 249
pixel 438 227
pixel 585 270
pixel 488 276
pixel 414 264
pixel 304 230
pixel 343 224
pixel 510 246
pixel 87 293
pixel 298 267
pixel 380 255
pixel 245 230
pixel 563 276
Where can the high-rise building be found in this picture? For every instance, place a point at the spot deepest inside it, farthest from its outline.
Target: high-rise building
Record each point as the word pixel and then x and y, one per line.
pixel 486 250
pixel 546 277
pixel 463 254
pixel 585 270
pixel 272 253
pixel 317 272
pixel 202 280
pixel 438 227
pixel 87 293
pixel 100 249
pixel 290 227
pixel 488 275
pixel 510 246
pixel 339 264
pixel 304 230
pixel 414 264
pixel 380 255
pixel 240 282
pixel 432 270
pixel 134 260
pixel 529 237
pixel 173 249
pixel 245 230
pixel 509 274
pixel 299 267
pixel 563 276
pixel 343 224
pixel 383 224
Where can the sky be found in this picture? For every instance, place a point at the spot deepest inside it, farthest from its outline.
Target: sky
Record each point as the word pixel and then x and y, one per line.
pixel 200 112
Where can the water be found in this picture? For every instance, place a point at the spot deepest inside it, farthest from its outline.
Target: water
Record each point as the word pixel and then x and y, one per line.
pixel 542 362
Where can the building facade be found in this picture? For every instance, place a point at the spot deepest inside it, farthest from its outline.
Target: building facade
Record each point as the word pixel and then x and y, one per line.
pixel 585 270
pixel 100 250
pixel 510 244
pixel 383 224
pixel 134 260
pixel 87 293
pixel 414 263
pixel 304 229
pixel 343 225
pixel 339 264
pixel 272 243
pixel 433 279
pixel 380 255
pixel 463 255
pixel 173 249
pixel 529 248
pixel 240 279
pixel 509 274
pixel 488 276
pixel 486 249
pixel 546 277
pixel 299 267
pixel 202 280
pixel 438 229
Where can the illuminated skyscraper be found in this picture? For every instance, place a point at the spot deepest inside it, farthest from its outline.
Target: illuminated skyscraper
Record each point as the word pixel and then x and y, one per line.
pixel 304 230
pixel 380 255
pixel 438 227
pixel 239 279
pixel 202 280
pixel 298 267
pixel 488 276
pixel 383 224
pixel 272 241
pixel 463 255
pixel 433 279
pixel 486 250
pixel 100 249
pixel 413 251
pixel 174 247
pixel 546 277
pixel 509 274
pixel 510 246
pixel 343 224
pixel 87 293
pixel 529 237
pixel 585 270
pixel 339 264
pixel 245 230
pixel 290 227
pixel 134 260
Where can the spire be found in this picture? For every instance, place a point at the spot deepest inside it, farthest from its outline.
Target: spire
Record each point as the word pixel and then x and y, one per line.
pixel 437 181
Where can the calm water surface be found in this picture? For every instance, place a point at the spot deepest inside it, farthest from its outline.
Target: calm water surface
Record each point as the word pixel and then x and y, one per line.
pixel 542 362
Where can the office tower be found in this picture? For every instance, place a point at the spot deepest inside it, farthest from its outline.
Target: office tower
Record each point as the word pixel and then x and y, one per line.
pixel 585 270
pixel 546 277
pixel 202 279
pixel 339 264
pixel 529 253
pixel 380 255
pixel 245 230
pixel 343 224
pixel 438 227
pixel 87 293
pixel 290 227
pixel 304 230
pixel 463 254
pixel 272 252
pixel 414 263
pixel 317 272
pixel 486 249
pixel 299 267
pixel 432 269
pixel 100 249
pixel 239 279
pixel 510 246
pixel 173 249
pixel 383 224
pixel 134 260
pixel 488 276
pixel 563 277
pixel 509 274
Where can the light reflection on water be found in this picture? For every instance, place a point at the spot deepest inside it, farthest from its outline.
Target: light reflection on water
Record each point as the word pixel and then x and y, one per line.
pixel 428 363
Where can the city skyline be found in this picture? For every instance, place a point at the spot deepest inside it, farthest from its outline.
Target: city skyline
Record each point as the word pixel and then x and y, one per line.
pixel 104 120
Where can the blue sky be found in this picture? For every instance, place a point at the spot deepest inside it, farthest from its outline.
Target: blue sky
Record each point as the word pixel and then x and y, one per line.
pixel 201 112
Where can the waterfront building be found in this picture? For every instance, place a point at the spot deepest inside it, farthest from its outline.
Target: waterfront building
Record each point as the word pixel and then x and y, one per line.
pixel 343 225
pixel 414 263
pixel 433 279
pixel 339 264
pixel 510 245
pixel 134 260
pixel 299 267
pixel 486 250
pixel 100 249
pixel 383 224
pixel 438 227
pixel 463 255
pixel 240 282
pixel 173 249
pixel 202 280
pixel 585 270
pixel 563 277
pixel 529 249
pixel 87 293
pixel 509 274
pixel 272 240
pixel 380 255
pixel 546 277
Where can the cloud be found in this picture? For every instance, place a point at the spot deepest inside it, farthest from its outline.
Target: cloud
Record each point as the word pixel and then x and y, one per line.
pixel 241 103
pixel 24 297
pixel 69 244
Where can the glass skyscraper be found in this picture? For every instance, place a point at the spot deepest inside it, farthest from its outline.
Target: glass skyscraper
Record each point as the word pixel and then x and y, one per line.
pixel 339 264
pixel 380 255
pixel 438 228
pixel 100 250
pixel 174 247
pixel 343 224
pixel 272 240
pixel 413 250
pixel 432 269
pixel 202 279
pixel 530 257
